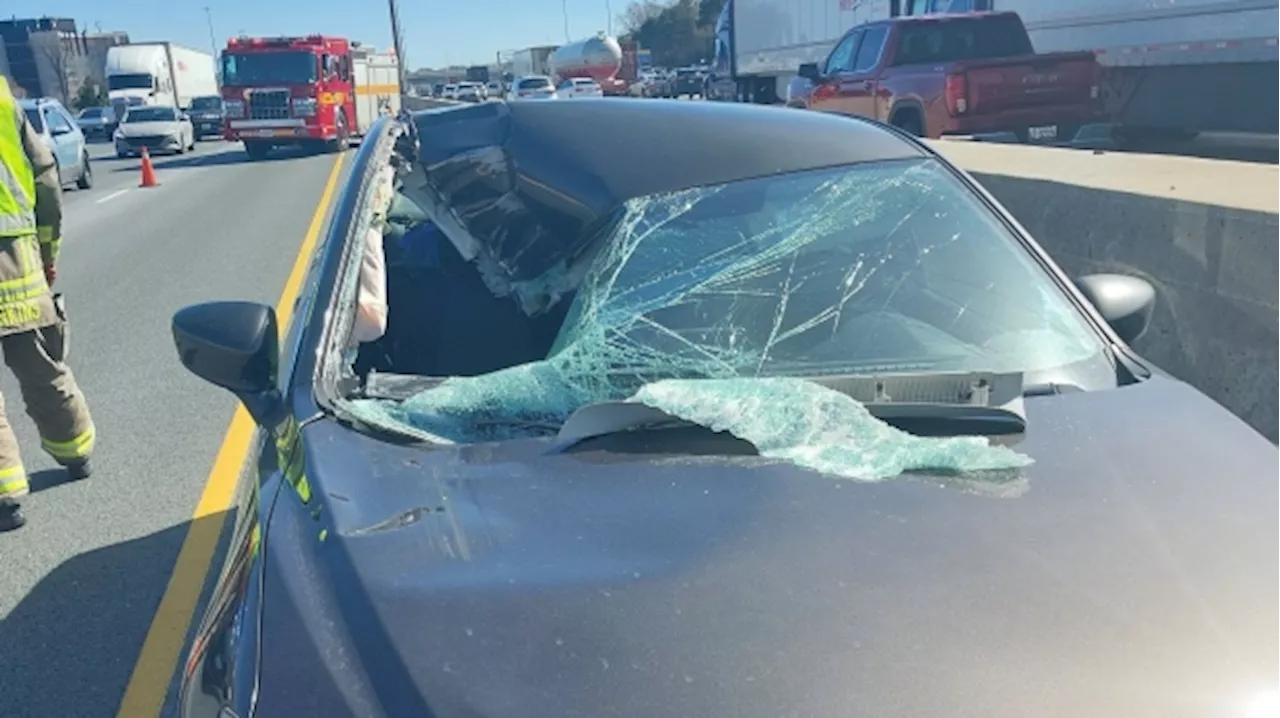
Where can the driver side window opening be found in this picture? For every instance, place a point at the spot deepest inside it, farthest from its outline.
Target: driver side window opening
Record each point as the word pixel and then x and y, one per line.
pixel 442 319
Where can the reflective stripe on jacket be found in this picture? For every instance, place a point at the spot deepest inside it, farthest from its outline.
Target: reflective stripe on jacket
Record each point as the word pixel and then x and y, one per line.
pixel 25 300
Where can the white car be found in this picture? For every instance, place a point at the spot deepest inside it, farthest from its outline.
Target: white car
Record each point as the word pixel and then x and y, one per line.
pixel 494 89
pixel 158 128
pixel 580 87
pixel 450 92
pixel 470 92
pixel 532 87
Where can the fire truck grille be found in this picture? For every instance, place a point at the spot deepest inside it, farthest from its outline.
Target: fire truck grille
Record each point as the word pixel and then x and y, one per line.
pixel 269 105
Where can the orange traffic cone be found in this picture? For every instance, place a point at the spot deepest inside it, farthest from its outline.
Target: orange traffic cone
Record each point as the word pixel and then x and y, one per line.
pixel 148 171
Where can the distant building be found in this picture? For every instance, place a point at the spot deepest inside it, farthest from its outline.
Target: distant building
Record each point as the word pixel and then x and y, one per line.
pixel 97 44
pixel 45 57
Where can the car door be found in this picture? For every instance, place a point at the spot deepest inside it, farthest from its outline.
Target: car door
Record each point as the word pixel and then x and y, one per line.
pixel 66 148
pixel 826 96
pixel 859 86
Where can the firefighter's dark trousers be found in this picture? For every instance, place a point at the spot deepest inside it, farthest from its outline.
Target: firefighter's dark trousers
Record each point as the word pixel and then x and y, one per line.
pixel 53 401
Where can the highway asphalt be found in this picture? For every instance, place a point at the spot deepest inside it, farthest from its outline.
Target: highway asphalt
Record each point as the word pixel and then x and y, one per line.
pixel 82 581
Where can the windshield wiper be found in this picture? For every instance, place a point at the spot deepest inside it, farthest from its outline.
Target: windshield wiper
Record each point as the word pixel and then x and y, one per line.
pixel 919 419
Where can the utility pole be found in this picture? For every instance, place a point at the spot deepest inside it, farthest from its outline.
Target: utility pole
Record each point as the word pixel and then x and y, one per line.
pixel 213 43
pixel 564 10
pixel 608 9
pixel 398 42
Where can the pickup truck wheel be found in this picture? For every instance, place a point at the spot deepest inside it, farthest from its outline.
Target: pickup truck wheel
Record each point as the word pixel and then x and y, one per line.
pixel 909 122
pixel 255 150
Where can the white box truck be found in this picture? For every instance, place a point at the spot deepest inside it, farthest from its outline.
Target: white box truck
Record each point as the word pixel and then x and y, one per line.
pixel 158 73
pixel 532 61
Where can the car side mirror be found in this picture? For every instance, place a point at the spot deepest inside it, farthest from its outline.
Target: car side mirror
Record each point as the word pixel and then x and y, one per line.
pixel 1126 302
pixel 234 345
pixel 810 72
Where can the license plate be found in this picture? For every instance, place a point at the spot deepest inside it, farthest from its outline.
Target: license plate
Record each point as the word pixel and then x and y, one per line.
pixel 1047 132
pixel 271 133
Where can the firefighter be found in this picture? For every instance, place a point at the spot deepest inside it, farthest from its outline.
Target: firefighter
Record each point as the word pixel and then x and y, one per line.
pixel 33 329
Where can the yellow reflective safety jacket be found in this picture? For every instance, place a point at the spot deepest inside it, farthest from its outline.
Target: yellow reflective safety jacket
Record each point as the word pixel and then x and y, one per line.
pixel 26 244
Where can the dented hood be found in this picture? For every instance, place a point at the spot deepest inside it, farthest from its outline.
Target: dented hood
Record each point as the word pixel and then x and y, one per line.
pixel 1130 571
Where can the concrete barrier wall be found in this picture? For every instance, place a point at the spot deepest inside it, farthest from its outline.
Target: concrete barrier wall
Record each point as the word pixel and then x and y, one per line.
pixel 413 104
pixel 1204 232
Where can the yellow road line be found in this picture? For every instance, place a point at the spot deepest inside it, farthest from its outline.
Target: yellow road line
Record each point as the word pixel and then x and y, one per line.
pixel 144 696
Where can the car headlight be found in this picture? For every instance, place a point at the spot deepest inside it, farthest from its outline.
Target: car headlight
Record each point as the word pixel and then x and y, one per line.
pixel 233 108
pixel 304 106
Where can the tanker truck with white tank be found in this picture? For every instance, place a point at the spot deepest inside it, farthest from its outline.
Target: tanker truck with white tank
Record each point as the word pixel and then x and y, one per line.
pixel 598 57
pixel 158 73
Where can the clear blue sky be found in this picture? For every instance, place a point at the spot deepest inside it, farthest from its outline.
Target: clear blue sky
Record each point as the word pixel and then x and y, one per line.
pixel 436 32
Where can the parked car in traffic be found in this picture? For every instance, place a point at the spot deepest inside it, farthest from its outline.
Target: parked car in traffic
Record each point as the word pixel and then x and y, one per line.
pixel 578 87
pixel 206 115
pixel 158 128
pixel 97 122
pixel 687 81
pixel 738 428
pixel 450 92
pixel 493 90
pixel 470 92
pixel 60 133
pixel 532 87
pixel 957 75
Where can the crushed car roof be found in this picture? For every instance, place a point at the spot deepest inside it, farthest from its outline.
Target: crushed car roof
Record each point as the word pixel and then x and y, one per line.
pixel 524 185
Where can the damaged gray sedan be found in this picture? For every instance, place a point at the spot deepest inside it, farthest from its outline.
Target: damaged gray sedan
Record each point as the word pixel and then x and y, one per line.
pixel 756 413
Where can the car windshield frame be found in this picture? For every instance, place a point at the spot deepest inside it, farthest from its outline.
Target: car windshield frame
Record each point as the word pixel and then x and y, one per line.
pixel 131 81
pixel 91 113
pixel 580 373
pixel 132 115
pixel 292 67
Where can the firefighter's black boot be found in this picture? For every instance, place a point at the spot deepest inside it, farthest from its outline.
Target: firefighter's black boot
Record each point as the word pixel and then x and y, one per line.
pixel 11 515
pixel 78 470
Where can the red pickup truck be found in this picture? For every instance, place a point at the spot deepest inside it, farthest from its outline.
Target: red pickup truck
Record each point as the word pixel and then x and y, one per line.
pixel 967 74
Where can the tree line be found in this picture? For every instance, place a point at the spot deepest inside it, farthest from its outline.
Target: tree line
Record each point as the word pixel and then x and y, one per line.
pixel 676 32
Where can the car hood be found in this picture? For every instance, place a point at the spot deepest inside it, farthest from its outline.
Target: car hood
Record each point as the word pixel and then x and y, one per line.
pixel 1130 571
pixel 146 129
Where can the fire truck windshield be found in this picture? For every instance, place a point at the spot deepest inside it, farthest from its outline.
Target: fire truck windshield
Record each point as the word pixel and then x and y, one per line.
pixel 257 68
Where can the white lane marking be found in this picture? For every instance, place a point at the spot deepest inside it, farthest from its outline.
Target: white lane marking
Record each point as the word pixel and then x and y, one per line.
pixel 112 196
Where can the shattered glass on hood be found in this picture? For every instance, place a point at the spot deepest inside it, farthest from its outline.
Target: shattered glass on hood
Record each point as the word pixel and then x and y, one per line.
pixel 883 268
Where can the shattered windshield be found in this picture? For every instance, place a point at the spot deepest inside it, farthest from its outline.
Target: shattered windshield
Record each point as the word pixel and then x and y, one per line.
pixel 878 268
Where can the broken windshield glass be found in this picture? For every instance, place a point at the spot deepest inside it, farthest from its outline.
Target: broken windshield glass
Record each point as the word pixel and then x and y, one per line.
pixel 880 268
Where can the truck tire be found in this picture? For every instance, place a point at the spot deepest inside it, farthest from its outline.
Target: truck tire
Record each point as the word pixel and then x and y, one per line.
pixel 908 121
pixel 256 150
pixel 339 143
pixel 85 180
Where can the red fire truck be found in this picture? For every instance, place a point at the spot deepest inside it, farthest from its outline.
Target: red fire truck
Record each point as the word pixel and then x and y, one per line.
pixel 312 90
